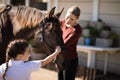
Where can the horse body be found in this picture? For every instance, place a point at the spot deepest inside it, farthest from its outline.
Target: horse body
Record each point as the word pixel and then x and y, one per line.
pixel 26 23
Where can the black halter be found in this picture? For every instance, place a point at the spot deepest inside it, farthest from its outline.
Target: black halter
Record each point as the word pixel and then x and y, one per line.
pixel 43 40
pixel 43 27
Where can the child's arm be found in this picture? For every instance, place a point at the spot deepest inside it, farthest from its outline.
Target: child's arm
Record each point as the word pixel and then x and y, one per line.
pixel 50 57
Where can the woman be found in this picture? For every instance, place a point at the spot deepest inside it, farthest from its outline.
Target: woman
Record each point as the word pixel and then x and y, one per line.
pixel 71 34
pixel 17 66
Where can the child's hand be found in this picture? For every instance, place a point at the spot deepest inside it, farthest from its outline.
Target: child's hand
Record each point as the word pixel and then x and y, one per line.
pixel 58 49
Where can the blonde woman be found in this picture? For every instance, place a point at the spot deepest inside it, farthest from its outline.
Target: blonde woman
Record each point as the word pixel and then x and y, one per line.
pixel 71 34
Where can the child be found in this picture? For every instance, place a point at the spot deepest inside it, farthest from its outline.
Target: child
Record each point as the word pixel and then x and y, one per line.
pixel 17 66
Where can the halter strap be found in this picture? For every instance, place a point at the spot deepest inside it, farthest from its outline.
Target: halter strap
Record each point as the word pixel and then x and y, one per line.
pixel 43 40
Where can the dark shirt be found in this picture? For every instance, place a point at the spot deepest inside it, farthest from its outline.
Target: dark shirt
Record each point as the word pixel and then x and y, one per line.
pixel 71 36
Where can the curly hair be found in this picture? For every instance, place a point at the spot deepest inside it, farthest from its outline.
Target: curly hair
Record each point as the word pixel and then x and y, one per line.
pixel 14 48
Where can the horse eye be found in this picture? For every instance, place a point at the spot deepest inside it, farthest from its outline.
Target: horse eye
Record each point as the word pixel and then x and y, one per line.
pixel 46 25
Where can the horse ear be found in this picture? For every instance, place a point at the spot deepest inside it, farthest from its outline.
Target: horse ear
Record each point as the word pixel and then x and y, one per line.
pixel 4 8
pixel 51 13
pixel 59 13
pixel 8 7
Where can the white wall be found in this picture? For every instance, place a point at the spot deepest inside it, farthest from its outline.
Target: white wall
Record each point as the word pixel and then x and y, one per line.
pixel 86 11
pixel 109 12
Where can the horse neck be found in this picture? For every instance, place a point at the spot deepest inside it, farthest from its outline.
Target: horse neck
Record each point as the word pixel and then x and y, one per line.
pixel 27 16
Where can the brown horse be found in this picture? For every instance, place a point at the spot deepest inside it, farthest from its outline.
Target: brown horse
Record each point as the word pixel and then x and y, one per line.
pixel 25 22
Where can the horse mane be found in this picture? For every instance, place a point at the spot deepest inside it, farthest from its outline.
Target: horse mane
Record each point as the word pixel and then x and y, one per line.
pixel 28 16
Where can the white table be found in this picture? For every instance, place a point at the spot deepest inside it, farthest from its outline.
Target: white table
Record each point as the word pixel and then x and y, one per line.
pixel 92 50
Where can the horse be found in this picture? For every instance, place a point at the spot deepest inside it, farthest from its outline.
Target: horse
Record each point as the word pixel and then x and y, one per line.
pixel 20 22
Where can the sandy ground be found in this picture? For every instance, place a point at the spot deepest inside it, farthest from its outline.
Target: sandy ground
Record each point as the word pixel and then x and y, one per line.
pixel 45 74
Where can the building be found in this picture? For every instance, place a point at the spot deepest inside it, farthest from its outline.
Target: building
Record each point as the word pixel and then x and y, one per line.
pixel 92 10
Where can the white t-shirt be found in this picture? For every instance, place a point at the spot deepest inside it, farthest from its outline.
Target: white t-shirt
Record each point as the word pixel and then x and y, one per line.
pixel 19 70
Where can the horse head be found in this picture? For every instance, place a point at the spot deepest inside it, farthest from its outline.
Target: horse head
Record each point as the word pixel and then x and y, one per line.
pixel 49 36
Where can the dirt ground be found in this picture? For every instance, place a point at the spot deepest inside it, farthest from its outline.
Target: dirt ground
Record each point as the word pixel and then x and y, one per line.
pixel 50 73
pixel 46 74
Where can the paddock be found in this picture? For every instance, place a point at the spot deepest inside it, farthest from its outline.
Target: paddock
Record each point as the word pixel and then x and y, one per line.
pixel 47 74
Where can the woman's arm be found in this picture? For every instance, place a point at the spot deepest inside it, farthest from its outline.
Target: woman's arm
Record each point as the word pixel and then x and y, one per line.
pixel 50 57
